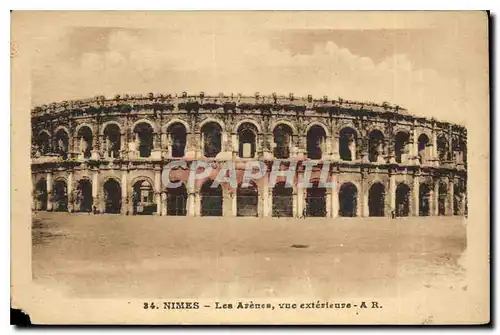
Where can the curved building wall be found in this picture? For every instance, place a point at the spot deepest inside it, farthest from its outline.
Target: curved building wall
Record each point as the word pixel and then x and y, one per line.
pixel 107 155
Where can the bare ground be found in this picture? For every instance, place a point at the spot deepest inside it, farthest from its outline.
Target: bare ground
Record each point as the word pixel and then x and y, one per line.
pixel 174 257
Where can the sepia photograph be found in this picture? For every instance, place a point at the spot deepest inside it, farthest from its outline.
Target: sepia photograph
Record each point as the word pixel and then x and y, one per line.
pixel 250 167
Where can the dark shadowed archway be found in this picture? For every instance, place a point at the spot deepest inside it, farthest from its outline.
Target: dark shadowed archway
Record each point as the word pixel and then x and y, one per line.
pixel 60 196
pixel 282 200
pixel 247 200
pixel 402 200
pixel 348 200
pixel 376 200
pixel 211 199
pixel 177 200
pixel 112 196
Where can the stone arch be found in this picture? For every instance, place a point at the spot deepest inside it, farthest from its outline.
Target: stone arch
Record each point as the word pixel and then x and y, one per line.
pixel 142 195
pixel 401 129
pixel 85 136
pixel 64 128
pixel 247 139
pixel 376 145
pixel 112 194
pixel 376 199
pixel 318 123
pixel 108 123
pixel 211 199
pixel 343 124
pixel 403 196
pixel 247 199
pixel 241 122
pixel 43 140
pixel 283 140
pixel 177 199
pixel 423 148
pixel 211 138
pixel 316 139
pixel 81 125
pixel 175 136
pixel 402 145
pixel 347 139
pixel 40 194
pixel 148 121
pixel 442 197
pixel 348 199
pixel 83 195
pixel 171 122
pixel 212 119
pixel 424 198
pixel 315 200
pixel 285 122
pixel 282 200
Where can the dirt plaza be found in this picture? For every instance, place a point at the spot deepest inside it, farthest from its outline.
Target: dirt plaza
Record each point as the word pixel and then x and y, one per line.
pixel 113 256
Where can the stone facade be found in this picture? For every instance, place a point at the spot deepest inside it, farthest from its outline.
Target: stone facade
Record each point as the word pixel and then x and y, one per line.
pixel 107 156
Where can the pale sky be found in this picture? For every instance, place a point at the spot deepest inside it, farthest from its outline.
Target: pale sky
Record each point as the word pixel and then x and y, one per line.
pixel 434 65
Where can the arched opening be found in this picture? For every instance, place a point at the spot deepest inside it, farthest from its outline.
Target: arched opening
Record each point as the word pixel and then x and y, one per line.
pixel 442 195
pixel 247 200
pixel 43 143
pixel 211 135
pixel 177 138
pixel 41 195
pixel 83 197
pixel 423 149
pixel 177 200
pixel 282 134
pixel 424 200
pixel 375 146
pixel 85 141
pixel 316 201
pixel 62 143
pixel 247 140
pixel 401 146
pixel 402 200
pixel 60 196
pixel 458 198
pixel 348 200
pixel 347 144
pixel 112 137
pixel 376 200
pixel 282 200
pixel 316 142
pixel 112 196
pixel 143 198
pixel 211 199
pixel 144 138
pixel 442 148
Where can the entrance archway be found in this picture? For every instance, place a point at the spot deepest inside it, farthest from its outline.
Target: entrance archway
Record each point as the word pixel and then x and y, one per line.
pixel 211 199
pixel 83 198
pixel 348 200
pixel 177 200
pixel 376 200
pixel 41 195
pixel 402 200
pixel 282 200
pixel 247 200
pixel 424 196
pixel 60 196
pixel 316 201
pixel 442 195
pixel 143 198
pixel 112 196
